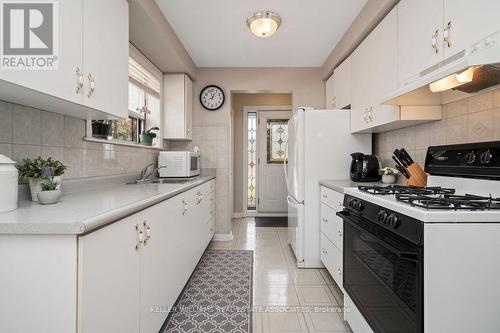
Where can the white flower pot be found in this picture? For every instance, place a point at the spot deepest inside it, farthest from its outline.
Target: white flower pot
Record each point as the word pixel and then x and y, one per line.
pixel 49 197
pixel 388 179
pixel 35 187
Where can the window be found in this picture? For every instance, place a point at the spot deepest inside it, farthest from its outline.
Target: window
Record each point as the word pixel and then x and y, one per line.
pixel 277 136
pixel 252 160
pixel 144 93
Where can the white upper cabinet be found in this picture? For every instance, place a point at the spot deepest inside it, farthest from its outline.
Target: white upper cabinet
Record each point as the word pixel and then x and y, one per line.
pixel 420 37
pixel 92 38
pixel 105 56
pixel 63 81
pixel 467 21
pixel 373 70
pixel 329 92
pixel 342 85
pixel 177 107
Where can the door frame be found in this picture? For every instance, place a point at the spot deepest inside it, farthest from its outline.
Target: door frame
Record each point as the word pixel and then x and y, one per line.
pixel 246 110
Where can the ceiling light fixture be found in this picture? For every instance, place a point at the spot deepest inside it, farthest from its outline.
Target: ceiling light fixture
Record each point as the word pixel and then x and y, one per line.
pixel 264 24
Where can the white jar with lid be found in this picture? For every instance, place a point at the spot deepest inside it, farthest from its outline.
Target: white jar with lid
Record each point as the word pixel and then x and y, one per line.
pixel 8 184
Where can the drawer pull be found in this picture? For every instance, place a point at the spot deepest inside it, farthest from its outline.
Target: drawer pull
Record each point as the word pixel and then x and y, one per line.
pixel 140 237
pixel 340 233
pixel 184 207
pixel 339 271
pixel 324 220
pixel 148 232
pixel 324 251
pixel 325 196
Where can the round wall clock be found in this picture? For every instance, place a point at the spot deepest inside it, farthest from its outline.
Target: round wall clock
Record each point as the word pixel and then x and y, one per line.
pixel 212 97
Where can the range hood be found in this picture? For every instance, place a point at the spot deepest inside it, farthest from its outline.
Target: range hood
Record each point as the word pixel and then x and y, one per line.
pixel 473 69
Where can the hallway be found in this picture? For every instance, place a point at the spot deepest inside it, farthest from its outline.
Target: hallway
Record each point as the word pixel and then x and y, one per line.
pixel 285 298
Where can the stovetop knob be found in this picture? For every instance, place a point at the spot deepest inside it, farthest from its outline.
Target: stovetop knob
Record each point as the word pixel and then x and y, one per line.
pixel 358 205
pixel 470 157
pixel 393 221
pixel 382 216
pixel 486 157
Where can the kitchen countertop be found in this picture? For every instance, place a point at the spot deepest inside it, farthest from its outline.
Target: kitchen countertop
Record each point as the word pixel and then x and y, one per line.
pixel 339 185
pixel 82 212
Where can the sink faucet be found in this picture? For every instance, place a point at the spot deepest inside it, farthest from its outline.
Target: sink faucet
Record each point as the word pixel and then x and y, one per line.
pixel 145 175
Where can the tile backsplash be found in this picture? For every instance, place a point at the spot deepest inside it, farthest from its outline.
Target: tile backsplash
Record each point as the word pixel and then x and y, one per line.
pixel 27 132
pixel 472 119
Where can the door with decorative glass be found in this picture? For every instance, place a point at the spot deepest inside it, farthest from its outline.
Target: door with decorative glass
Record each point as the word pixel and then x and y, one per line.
pixel 272 139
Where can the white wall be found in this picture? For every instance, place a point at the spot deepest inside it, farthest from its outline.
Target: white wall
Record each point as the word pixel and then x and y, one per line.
pixel 305 85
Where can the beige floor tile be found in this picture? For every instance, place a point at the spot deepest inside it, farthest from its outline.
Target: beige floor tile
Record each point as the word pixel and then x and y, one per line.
pixel 275 322
pixel 270 275
pixel 326 276
pixel 306 276
pixel 337 293
pixel 315 295
pixel 324 322
pixel 275 295
pixel 256 322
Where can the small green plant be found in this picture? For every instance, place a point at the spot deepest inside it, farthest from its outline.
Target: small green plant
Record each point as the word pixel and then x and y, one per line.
pixel 35 168
pixel 48 184
pixel 388 171
pixel 150 132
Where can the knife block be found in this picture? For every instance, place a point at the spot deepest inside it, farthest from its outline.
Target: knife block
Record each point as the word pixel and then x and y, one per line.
pixel 418 177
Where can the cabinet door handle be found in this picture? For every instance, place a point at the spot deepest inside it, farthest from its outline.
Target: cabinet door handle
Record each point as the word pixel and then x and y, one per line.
pixel 339 271
pixel 324 220
pixel 140 237
pixel 434 41
pixel 147 228
pixel 80 79
pixel 446 34
pixel 184 207
pixel 334 101
pixel 324 196
pixel 91 85
pixel 324 251
pixel 200 198
pixel 370 114
pixel 340 233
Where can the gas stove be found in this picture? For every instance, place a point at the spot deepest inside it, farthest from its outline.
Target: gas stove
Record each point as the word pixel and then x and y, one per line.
pixel 460 188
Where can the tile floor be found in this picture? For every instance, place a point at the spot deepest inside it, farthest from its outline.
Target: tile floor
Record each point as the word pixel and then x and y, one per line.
pixel 286 299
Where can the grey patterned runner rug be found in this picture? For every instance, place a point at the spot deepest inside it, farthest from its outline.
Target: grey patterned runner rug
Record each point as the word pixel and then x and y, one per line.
pixel 218 297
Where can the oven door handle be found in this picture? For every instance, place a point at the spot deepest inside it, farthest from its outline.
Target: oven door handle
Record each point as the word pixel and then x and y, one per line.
pixel 404 255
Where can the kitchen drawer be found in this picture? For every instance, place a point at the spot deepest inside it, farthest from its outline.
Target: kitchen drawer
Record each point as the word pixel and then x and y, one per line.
pixel 332 259
pixel 332 198
pixel 332 226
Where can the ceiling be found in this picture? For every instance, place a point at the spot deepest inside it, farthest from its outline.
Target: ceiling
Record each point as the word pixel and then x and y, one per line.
pixel 215 34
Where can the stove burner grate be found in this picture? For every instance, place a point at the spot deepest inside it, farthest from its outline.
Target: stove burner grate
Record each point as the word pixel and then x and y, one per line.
pixel 450 201
pixel 408 190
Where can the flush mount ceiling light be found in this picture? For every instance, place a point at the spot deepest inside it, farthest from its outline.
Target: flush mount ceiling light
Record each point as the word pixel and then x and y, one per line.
pixel 264 24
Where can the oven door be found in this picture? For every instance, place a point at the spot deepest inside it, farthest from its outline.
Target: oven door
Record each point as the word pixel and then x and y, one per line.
pixel 383 275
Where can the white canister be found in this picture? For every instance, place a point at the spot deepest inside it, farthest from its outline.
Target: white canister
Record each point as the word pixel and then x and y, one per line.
pixel 8 184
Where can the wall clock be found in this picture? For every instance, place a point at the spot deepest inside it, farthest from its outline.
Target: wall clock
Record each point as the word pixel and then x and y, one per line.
pixel 212 97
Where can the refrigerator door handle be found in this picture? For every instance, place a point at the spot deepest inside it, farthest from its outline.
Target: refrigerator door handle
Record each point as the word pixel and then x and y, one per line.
pixel 285 167
pixel 292 202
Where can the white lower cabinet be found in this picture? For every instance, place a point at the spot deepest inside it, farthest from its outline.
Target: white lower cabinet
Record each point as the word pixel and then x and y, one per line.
pixel 132 271
pixel 332 228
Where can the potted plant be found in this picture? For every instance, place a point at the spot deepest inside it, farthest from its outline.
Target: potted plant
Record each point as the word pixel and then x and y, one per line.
pixel 148 136
pixel 101 129
pixel 388 175
pixel 50 192
pixel 33 171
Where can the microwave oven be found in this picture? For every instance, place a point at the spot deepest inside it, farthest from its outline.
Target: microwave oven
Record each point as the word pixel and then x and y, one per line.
pixel 178 164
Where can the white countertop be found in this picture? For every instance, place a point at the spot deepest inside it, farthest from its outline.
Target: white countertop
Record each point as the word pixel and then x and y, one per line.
pixel 339 185
pixel 85 211
pixel 428 216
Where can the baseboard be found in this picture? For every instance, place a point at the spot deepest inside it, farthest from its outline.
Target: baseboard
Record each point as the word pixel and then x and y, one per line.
pixel 223 237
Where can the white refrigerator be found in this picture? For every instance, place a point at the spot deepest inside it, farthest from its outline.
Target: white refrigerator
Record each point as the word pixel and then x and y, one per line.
pixel 319 147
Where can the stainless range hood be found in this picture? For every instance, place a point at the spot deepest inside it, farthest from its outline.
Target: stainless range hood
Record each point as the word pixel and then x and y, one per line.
pixel 473 69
